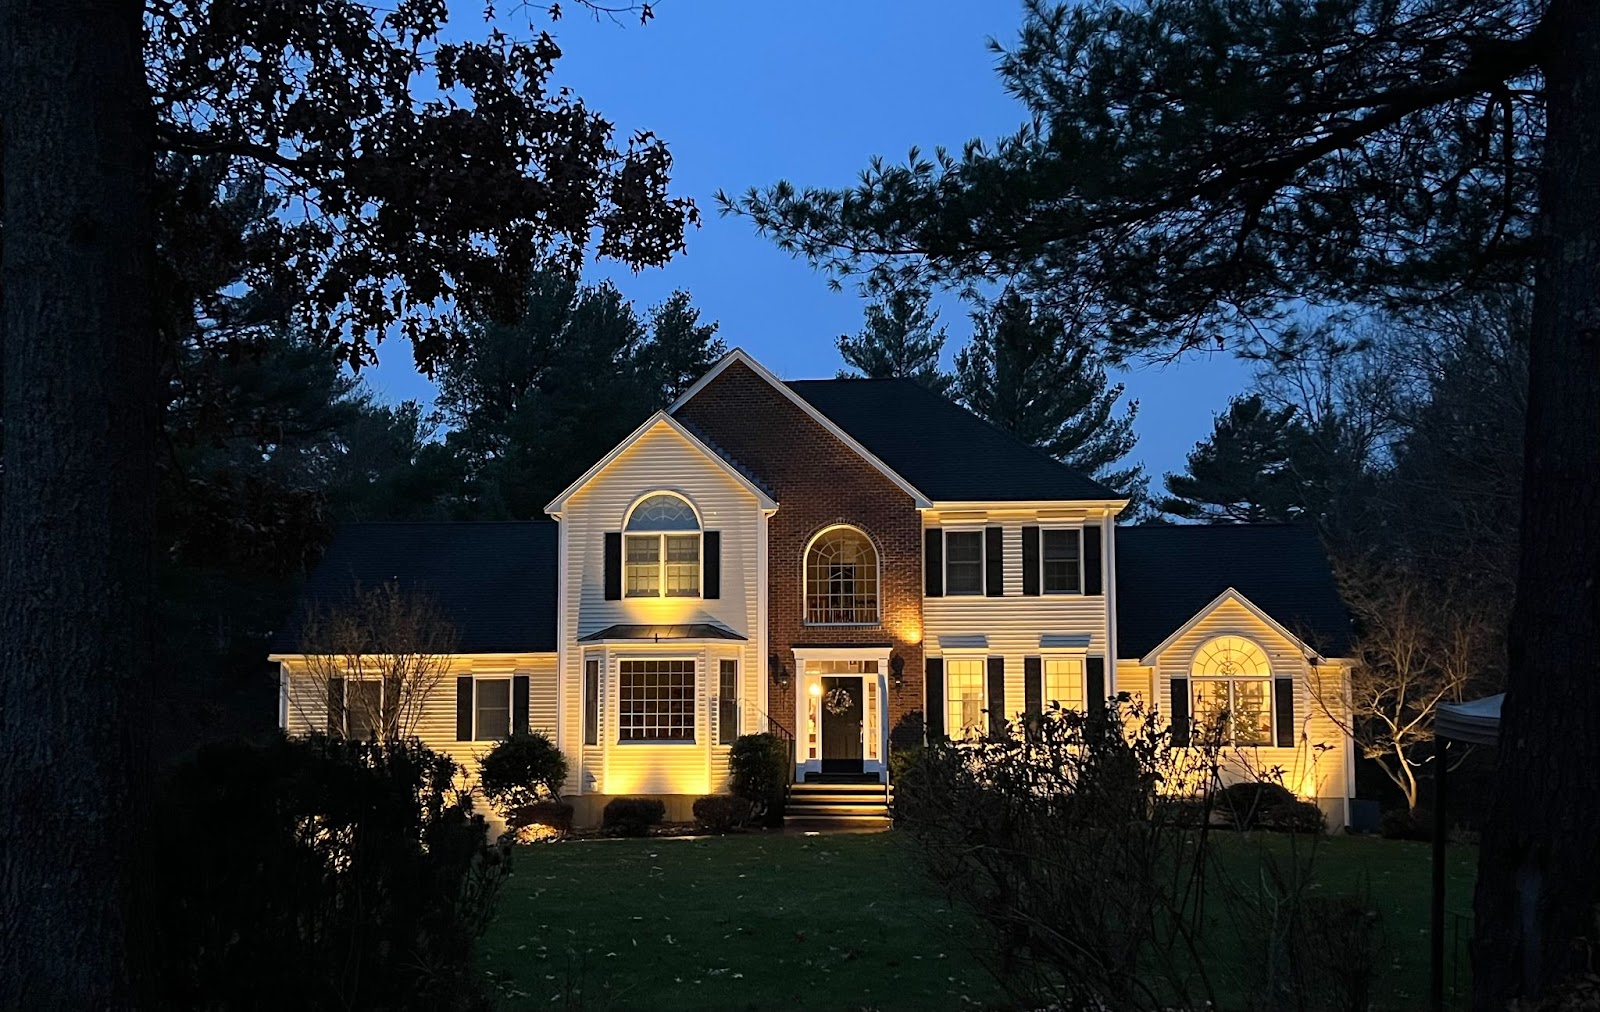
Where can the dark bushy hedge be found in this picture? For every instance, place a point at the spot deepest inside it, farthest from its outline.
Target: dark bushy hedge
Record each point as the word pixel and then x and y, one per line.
pixel 556 815
pixel 632 816
pixel 1269 806
pixel 1404 824
pixel 721 813
pixel 314 873
pixel 758 771
pixel 521 770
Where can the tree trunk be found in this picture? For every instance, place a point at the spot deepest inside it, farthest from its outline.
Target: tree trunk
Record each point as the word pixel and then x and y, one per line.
pixel 77 526
pixel 1539 866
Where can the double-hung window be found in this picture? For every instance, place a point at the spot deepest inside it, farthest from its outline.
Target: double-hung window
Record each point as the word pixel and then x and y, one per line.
pixel 661 548
pixel 656 701
pixel 491 715
pixel 964 687
pixel 1061 560
pixel 963 563
pixel 363 707
pixel 1063 682
pixel 1231 680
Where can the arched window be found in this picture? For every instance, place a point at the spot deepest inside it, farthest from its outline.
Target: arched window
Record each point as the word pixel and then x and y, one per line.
pixel 661 548
pixel 841 578
pixel 1232 685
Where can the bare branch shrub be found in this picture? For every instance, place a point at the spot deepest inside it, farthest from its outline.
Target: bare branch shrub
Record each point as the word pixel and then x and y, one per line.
pixel 372 660
pixel 1418 645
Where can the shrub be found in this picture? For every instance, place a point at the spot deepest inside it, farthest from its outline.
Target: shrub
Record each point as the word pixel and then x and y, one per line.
pixel 1405 824
pixel 721 813
pixel 758 771
pixel 1265 805
pixel 521 770
pixel 540 822
pixel 314 873
pixel 632 816
pixel 902 761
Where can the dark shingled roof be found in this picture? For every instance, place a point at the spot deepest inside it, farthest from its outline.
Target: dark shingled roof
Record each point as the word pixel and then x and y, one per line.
pixel 683 631
pixel 496 581
pixel 1165 574
pixel 947 452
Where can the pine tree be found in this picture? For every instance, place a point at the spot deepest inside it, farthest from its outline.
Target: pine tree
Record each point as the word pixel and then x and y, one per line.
pixel 900 337
pixel 1245 471
pixel 1029 372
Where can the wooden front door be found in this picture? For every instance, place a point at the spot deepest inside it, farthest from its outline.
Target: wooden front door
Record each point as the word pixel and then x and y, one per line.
pixel 841 725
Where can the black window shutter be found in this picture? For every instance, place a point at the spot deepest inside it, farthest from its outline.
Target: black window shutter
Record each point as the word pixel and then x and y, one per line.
pixel 464 708
pixel 994 557
pixel 1283 703
pixel 1091 559
pixel 997 694
pixel 933 564
pixel 1180 711
pixel 711 566
pixel 1030 561
pixel 519 704
pixel 613 565
pixel 1095 690
pixel 1033 685
pixel 336 706
pixel 933 693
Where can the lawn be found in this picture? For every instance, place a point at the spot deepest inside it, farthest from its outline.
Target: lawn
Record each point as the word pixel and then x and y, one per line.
pixel 789 921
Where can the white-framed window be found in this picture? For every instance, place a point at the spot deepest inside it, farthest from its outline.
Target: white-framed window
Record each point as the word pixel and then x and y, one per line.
pixel 1061 560
pixel 963 562
pixel 841 578
pixel 656 701
pixel 661 548
pixel 363 703
pixel 1063 682
pixel 965 697
pixel 1231 681
pixel 591 700
pixel 491 709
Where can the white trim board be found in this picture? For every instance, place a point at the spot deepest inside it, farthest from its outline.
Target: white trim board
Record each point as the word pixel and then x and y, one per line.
pixel 740 355
pixel 659 418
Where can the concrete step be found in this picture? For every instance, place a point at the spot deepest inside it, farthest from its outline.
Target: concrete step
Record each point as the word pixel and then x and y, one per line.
pixel 837 809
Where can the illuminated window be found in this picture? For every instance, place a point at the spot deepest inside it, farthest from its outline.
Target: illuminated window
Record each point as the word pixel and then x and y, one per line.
pixel 963 562
pixel 1232 686
pixel 655 701
pixel 965 689
pixel 661 554
pixel 842 579
pixel 1063 682
pixel 1060 560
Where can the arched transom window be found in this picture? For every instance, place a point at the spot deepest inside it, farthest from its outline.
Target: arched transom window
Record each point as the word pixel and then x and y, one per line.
pixel 661 548
pixel 841 578
pixel 1232 685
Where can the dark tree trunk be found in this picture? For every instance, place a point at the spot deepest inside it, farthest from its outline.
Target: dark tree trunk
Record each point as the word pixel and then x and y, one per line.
pixel 77 524
pixel 1539 866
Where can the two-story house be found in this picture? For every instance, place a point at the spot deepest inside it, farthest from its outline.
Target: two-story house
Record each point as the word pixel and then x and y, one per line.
pixel 856 565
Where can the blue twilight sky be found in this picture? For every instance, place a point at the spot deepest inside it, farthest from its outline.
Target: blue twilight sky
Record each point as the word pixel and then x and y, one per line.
pixel 746 93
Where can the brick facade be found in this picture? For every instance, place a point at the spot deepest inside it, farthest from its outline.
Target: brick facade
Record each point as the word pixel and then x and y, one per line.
pixel 819 481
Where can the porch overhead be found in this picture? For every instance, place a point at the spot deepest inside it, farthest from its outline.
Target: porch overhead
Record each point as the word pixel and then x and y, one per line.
pixel 662 633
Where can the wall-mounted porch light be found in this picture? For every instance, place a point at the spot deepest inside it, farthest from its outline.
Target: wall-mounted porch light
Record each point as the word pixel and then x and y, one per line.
pixel 776 669
pixel 897 671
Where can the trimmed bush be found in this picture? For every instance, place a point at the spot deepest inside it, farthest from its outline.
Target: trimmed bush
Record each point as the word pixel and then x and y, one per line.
pixel 540 822
pixel 1403 824
pixel 1269 806
pixel 758 771
pixel 721 813
pixel 521 770
pixel 314 873
pixel 632 816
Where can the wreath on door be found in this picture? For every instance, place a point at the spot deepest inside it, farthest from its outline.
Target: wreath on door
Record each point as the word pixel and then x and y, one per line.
pixel 839 701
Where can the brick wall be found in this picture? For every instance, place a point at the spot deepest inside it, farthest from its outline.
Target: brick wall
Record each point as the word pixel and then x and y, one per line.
pixel 818 482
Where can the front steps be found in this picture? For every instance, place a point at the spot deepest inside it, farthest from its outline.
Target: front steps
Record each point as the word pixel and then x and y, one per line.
pixel 837 802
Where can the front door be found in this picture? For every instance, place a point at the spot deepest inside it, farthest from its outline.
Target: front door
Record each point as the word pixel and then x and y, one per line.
pixel 841 725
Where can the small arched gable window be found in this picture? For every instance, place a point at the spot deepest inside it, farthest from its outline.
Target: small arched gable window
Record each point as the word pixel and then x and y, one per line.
pixel 661 548
pixel 1231 678
pixel 841 572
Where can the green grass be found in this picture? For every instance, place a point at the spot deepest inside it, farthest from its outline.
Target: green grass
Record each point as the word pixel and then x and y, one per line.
pixel 768 921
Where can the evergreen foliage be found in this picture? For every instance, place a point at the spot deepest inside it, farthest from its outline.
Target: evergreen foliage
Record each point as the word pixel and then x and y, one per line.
pixel 900 337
